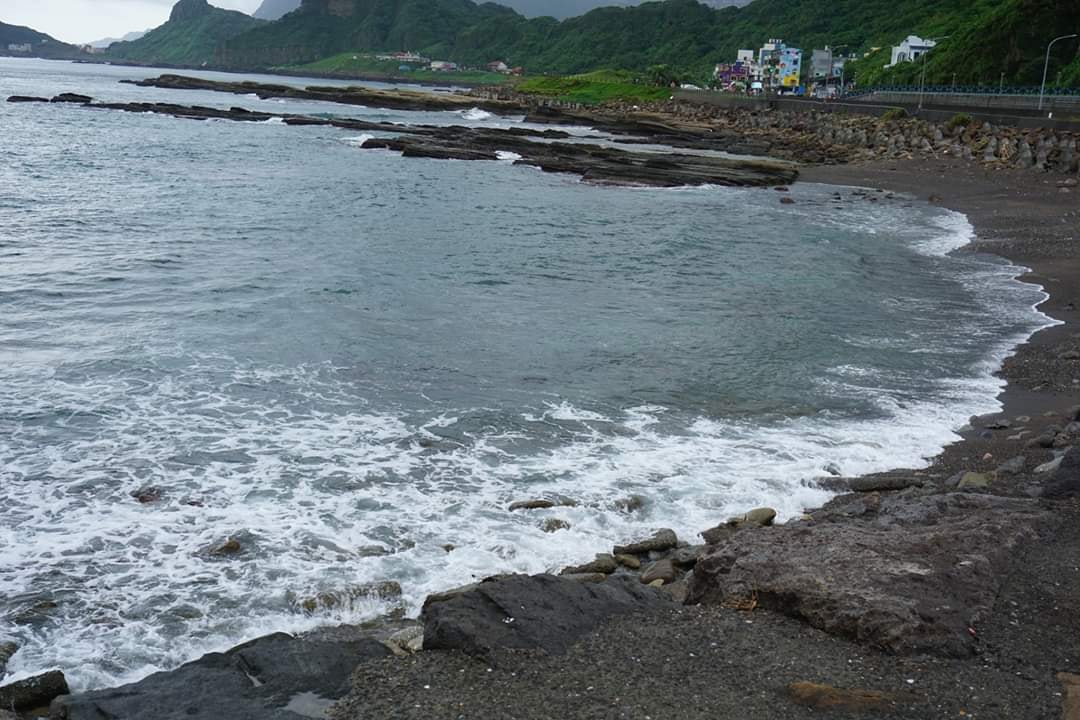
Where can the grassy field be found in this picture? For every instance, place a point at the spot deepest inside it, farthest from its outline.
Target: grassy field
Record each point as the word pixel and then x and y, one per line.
pixel 358 65
pixel 595 88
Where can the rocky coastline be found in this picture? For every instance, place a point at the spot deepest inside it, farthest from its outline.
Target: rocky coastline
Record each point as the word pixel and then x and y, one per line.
pixel 945 591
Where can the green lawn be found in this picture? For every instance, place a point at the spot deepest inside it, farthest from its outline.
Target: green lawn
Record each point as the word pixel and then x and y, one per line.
pixel 596 87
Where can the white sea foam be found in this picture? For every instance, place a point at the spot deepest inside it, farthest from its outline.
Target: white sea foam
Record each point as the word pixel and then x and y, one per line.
pixel 358 140
pixel 507 155
pixel 476 114
pixel 310 490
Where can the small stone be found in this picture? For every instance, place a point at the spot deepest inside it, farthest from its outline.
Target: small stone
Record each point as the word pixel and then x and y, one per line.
pixel 688 556
pixel 603 563
pixel 7 649
pixel 973 481
pixel 1049 467
pixel 147 495
pixel 1013 466
pixel 656 583
pixel 531 505
pixel 998 425
pixel 629 561
pixel 663 540
pixel 663 570
pixel 449 547
pixel 407 641
pixel 1070 355
pixel 630 504
pixel 554 525
pixel 34 692
pixel 1046 440
pixel 827 697
pixel 231 546
pixel 1023 419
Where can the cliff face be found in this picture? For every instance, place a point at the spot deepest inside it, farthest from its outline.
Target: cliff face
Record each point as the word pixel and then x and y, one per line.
pixel 275 9
pixel 189 10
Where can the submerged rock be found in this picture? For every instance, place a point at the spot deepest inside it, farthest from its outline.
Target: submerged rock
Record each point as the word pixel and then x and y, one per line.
pixel 908 574
pixel 540 611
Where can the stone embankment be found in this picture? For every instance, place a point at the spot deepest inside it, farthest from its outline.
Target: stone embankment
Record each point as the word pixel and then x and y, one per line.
pixel 814 136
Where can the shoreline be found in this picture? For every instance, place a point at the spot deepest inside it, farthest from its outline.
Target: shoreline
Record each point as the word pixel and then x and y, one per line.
pixel 1017 215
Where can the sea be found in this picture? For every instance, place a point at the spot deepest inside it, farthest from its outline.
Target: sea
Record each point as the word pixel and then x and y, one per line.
pixel 350 363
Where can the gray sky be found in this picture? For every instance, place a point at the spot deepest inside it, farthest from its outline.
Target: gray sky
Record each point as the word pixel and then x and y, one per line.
pixel 83 21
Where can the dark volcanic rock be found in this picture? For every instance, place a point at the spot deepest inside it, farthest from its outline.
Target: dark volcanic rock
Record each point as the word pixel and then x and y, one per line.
pixel 539 611
pixel 1065 482
pixel 33 692
pixel 26 99
pixel 663 540
pixel 255 681
pixel 7 649
pixel 72 98
pixel 905 574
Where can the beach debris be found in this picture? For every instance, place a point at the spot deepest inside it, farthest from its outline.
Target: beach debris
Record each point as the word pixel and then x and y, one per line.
pixel 827 697
pixel 665 539
pixel 1070 683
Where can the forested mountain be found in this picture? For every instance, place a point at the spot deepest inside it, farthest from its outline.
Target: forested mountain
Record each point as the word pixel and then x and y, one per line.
pixel 194 31
pixel 986 37
pixel 42 45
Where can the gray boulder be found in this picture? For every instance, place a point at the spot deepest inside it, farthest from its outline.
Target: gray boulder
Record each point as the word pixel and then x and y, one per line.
pixel 259 680
pixel 1065 481
pixel 903 574
pixel 538 611
pixel 34 692
pixel 662 540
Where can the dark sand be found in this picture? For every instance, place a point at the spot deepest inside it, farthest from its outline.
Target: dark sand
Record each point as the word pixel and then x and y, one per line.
pixel 711 662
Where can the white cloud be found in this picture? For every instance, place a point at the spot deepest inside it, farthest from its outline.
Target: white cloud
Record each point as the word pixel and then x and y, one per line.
pixel 81 21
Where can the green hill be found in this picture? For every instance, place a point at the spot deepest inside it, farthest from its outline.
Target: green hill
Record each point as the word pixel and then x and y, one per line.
pixel 987 37
pixel 194 32
pixel 42 45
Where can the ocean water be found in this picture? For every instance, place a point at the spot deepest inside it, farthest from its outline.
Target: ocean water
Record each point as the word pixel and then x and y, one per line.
pixel 347 360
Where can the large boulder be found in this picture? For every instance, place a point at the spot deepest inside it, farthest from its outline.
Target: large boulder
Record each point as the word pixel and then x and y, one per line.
pixel 903 574
pixel 33 692
pixel 265 679
pixel 538 611
pixel 1065 481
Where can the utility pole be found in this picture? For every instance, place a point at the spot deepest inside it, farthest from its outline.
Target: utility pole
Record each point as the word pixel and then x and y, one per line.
pixel 1046 65
pixel 922 79
pixel 1001 85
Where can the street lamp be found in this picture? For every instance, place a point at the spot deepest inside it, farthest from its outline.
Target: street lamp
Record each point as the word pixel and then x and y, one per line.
pixel 922 79
pixel 1046 64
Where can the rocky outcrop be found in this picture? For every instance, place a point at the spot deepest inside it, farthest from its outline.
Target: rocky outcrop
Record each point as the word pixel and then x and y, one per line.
pixel 907 574
pixel 539 612
pixel 355 95
pixel 33 692
pixel 267 679
pixel 1065 480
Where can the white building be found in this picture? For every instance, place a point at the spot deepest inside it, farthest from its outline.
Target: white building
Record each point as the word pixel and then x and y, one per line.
pixel 910 49
pixel 20 47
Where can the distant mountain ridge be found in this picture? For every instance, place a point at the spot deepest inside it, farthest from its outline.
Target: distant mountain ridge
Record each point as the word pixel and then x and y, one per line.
pixel 191 36
pixel 559 9
pixel 275 9
pixel 106 42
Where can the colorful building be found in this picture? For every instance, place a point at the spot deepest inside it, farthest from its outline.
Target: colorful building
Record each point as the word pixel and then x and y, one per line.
pixel 781 66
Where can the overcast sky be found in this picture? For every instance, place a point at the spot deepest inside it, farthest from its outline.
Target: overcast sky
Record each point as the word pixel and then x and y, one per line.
pixel 83 21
